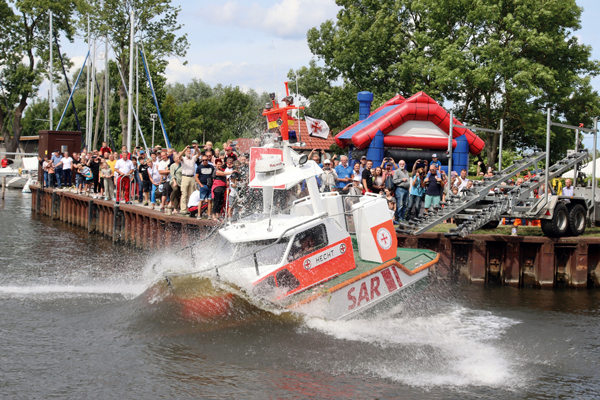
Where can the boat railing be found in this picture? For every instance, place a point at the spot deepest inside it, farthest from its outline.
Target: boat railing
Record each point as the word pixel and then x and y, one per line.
pixel 249 254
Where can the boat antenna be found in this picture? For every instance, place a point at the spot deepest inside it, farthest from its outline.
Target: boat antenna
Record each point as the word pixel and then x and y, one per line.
pixel 270 227
pixel 298 104
pixel 275 72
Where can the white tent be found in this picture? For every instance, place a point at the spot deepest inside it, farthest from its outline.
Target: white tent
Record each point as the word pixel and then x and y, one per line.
pixel 588 170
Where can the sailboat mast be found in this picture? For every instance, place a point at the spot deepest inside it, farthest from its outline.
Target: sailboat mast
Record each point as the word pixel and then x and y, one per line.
pixel 51 95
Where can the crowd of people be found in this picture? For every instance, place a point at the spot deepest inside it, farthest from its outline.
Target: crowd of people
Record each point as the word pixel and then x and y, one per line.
pixel 405 191
pixel 212 183
pixel 191 182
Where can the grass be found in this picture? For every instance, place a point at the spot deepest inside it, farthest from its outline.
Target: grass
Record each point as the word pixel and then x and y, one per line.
pixel 507 230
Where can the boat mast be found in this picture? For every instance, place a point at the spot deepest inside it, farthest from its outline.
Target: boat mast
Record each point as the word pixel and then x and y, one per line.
pixel 87 92
pixel 106 88
pixel 50 72
pixel 130 94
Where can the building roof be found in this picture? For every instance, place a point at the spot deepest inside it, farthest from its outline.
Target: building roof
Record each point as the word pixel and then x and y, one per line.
pixel 243 144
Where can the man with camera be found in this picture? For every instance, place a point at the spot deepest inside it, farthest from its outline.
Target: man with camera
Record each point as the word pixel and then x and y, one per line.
pixel 328 178
pixel 188 156
pixel 434 185
pixel 401 180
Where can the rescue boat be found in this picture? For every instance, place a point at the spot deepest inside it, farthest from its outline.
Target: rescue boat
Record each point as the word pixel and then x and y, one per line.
pixel 328 255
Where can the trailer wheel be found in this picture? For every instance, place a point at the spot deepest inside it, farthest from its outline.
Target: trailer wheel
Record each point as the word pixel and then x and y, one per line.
pixel 577 220
pixel 559 224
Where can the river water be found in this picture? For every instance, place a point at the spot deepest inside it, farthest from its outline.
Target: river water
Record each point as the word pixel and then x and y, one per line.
pixel 80 318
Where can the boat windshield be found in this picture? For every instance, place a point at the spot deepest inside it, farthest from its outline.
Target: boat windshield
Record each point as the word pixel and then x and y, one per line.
pixel 267 253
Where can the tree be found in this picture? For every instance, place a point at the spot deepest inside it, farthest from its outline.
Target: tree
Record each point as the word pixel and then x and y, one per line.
pixel 493 59
pixel 24 56
pixel 156 21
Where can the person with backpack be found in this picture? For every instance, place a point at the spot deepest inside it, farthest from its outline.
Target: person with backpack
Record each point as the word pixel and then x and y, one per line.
pixel 417 191
pixel 402 182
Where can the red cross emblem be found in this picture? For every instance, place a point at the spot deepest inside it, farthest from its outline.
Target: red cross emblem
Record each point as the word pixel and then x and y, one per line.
pixel 316 126
pixel 307 263
pixel 343 248
pixel 384 239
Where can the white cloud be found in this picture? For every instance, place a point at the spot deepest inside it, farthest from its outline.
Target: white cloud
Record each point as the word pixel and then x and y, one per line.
pixel 286 19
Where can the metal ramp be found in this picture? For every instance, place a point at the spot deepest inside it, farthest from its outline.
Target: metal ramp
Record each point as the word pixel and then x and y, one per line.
pixel 486 202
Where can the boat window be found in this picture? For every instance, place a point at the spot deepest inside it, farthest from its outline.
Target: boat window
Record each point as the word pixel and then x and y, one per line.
pixel 270 255
pixel 308 241
pixel 285 279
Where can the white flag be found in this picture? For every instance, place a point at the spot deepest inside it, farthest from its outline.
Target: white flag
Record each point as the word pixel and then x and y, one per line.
pixel 317 127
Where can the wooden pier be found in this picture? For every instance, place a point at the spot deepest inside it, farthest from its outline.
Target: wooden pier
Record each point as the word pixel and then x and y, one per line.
pixel 519 261
pixel 130 224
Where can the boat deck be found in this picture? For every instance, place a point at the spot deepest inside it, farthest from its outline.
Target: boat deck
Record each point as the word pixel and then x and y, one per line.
pixel 413 260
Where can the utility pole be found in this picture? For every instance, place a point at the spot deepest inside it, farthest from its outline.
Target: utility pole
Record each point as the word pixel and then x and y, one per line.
pixel 130 94
pixel 50 76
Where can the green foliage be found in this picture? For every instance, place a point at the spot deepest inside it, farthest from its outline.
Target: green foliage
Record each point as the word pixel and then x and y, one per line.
pixel 492 59
pixel 198 112
pixel 24 55
pixel 157 25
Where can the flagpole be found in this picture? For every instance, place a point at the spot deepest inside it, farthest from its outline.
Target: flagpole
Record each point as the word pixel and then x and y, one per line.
pixel 298 105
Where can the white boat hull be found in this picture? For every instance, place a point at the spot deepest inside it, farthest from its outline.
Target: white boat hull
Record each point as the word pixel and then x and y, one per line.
pixel 381 289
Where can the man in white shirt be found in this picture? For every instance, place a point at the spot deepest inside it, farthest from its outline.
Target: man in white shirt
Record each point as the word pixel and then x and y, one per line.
pixel 124 170
pixel 67 164
pixel 164 188
pixel 568 189
pixel 461 181
pixel 188 174
pixel 193 202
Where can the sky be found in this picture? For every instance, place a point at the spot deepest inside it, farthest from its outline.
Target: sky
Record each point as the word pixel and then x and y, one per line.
pixel 253 44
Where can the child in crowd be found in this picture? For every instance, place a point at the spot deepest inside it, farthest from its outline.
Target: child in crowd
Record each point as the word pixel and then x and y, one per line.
pixel 389 195
pixel 51 174
pixel 89 179
pixel 392 208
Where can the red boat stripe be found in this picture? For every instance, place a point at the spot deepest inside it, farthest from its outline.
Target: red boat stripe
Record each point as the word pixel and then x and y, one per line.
pixel 396 275
pixel 389 281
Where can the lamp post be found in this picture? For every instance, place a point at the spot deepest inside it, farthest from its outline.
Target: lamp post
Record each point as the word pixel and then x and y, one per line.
pixel 153 118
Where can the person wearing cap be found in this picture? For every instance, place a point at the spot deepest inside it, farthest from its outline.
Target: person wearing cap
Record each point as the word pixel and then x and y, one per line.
pixel 316 157
pixel 230 154
pixel 328 178
pixel 435 161
pixel 193 148
pixel 402 182
pixel 363 164
pixel 344 173
pixel 57 164
pixel 355 188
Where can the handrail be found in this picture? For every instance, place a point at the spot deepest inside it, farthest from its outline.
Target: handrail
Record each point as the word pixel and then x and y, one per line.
pixel 216 267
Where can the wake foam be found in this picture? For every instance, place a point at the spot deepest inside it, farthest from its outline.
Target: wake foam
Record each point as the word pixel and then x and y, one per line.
pixel 457 348
pixel 126 290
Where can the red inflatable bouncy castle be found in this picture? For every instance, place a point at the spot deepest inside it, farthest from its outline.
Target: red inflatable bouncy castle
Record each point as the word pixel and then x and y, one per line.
pixel 398 111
